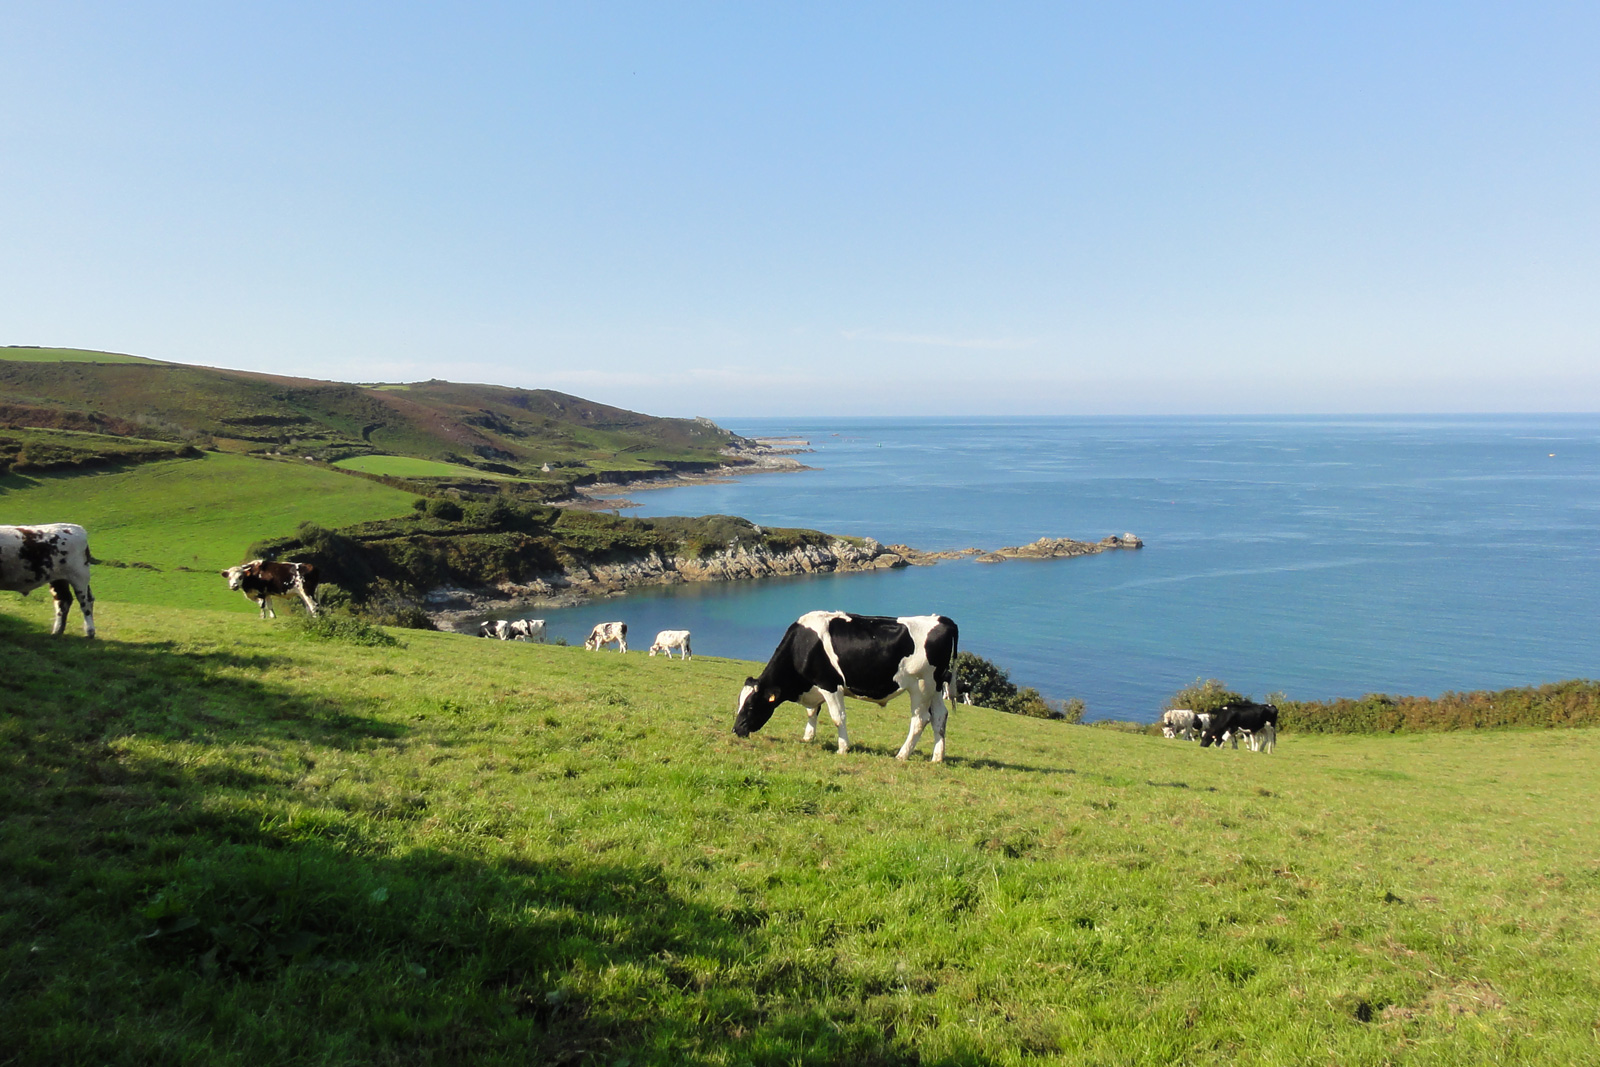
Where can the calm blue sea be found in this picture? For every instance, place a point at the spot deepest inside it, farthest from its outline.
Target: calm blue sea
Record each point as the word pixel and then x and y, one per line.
pixel 1318 557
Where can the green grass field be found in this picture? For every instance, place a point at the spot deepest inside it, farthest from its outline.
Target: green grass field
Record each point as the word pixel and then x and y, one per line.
pixel 26 354
pixel 174 524
pixel 227 843
pixel 411 467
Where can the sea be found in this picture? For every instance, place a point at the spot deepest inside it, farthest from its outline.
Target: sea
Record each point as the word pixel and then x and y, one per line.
pixel 1308 557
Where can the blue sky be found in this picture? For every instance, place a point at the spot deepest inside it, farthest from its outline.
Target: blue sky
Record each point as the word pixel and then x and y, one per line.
pixel 731 209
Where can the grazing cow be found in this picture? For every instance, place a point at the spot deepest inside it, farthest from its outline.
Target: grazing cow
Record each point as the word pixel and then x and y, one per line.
pixel 1248 718
pixel 667 640
pixel 606 632
pixel 494 628
pixel 826 656
pixel 528 629
pixel 1177 722
pixel 260 581
pixel 56 555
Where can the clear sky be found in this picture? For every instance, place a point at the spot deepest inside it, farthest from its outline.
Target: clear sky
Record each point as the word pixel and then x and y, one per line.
pixel 753 208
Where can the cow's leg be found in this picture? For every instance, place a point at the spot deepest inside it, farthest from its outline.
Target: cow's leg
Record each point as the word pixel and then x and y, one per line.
pixel 835 702
pixel 811 716
pixel 1269 740
pixel 61 593
pixel 941 715
pixel 266 607
pixel 685 648
pixel 311 605
pixel 919 719
pixel 86 605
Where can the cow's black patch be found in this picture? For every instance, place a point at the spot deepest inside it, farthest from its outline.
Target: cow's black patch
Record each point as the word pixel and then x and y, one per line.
pixel 870 649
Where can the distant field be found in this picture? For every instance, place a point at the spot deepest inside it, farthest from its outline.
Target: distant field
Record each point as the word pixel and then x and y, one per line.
pixel 66 355
pixel 410 467
pixel 226 843
pixel 200 514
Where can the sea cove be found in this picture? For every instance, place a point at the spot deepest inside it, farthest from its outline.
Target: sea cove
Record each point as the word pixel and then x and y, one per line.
pixel 1315 556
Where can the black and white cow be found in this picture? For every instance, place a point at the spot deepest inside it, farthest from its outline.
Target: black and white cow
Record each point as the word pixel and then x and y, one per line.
pixel 667 640
pixel 606 632
pixel 527 629
pixel 495 628
pixel 260 581
pixel 56 555
pixel 1258 721
pixel 826 656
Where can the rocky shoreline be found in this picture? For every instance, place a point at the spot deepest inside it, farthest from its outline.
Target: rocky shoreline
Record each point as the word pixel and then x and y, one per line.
pixel 450 607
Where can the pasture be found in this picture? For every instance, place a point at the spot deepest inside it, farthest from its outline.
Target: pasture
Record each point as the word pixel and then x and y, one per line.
pixel 31 354
pixel 226 842
pixel 413 467
pixel 168 527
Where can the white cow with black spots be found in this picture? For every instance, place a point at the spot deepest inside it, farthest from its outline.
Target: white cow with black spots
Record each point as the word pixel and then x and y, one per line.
pixel 56 555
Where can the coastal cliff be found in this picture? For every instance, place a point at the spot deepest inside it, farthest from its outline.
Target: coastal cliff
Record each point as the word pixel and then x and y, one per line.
pixel 581 580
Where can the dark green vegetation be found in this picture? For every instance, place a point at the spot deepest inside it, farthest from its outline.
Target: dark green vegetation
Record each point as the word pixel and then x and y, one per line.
pixel 1571 703
pixel 500 540
pixel 484 434
pixel 990 686
pixel 1560 704
pixel 229 841
pixel 53 450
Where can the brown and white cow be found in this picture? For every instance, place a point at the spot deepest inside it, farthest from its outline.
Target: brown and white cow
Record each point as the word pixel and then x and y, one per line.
pixel 261 581
pixel 606 632
pixel 56 555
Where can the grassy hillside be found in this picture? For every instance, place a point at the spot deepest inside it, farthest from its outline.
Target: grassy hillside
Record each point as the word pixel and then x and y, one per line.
pixel 35 354
pixel 166 528
pixel 228 843
pixel 483 432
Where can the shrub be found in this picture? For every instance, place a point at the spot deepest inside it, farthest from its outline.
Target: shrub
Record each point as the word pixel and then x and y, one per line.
pixel 991 687
pixel 444 508
pixel 1205 694
pixel 1071 710
pixel 1560 704
pixel 349 629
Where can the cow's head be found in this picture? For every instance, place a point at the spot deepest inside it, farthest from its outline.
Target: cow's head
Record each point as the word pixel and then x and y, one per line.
pixel 755 707
pixel 235 575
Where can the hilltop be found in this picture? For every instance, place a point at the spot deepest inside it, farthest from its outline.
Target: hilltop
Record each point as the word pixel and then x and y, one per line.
pixel 445 434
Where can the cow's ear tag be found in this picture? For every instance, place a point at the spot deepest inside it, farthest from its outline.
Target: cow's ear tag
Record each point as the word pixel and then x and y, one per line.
pixel 772 699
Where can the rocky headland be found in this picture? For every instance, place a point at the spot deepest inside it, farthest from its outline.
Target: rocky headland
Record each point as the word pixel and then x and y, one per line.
pixel 576 583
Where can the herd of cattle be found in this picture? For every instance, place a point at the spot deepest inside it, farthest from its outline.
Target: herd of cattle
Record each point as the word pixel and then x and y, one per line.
pixel 822 658
pixel 1255 724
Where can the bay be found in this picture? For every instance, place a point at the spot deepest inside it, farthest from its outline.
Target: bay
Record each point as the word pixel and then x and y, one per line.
pixel 1316 557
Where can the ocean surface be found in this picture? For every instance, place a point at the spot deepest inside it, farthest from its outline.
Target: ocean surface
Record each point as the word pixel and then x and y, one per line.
pixel 1315 557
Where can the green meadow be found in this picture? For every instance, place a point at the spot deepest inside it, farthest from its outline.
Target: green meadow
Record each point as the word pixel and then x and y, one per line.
pixel 168 527
pixel 412 467
pixel 230 841
pixel 29 354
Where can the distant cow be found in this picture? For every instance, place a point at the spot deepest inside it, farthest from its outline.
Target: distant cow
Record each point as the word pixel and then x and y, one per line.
pixel 1176 722
pixel 667 640
pixel 826 656
pixel 260 581
pixel 1258 721
pixel 494 628
pixel 606 632
pixel 528 630
pixel 56 555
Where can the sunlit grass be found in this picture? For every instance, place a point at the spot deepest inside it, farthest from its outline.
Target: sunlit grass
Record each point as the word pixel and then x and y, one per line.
pixel 496 852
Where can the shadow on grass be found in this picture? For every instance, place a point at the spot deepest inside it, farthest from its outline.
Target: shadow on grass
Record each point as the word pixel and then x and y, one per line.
pixel 154 911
